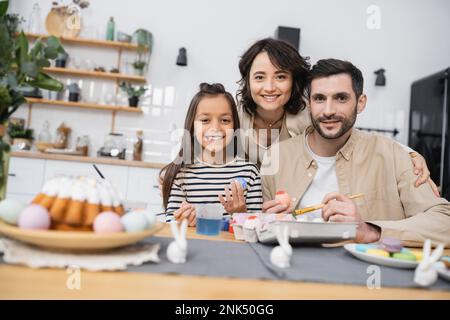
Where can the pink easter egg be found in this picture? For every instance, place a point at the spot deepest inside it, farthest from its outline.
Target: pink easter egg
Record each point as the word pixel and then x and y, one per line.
pixel 283 197
pixel 34 217
pixel 107 222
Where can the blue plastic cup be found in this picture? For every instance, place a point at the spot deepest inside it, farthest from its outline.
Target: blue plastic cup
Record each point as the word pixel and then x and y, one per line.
pixel 209 219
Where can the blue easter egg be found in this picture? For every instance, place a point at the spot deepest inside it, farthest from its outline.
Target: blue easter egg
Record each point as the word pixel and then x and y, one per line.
pixel 134 221
pixel 243 182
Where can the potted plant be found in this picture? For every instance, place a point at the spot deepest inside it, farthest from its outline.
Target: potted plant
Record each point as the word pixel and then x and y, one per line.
pixel 20 66
pixel 134 93
pixel 22 138
pixel 139 67
pixel 144 40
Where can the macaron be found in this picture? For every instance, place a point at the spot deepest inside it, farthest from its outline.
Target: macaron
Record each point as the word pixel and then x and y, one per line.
pixel 404 256
pixel 378 252
pixel 362 247
pixel 417 254
pixel 391 245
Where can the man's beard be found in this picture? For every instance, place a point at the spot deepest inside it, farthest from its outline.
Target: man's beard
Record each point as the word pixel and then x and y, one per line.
pixel 347 124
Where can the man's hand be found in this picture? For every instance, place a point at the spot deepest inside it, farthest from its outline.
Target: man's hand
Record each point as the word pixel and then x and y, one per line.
pixel 275 206
pixel 186 211
pixel 340 208
pixel 234 202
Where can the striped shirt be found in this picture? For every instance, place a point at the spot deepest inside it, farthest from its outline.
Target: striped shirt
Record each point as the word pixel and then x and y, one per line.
pixel 201 183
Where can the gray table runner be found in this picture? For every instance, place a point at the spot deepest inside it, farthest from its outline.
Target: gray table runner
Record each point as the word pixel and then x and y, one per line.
pixel 252 261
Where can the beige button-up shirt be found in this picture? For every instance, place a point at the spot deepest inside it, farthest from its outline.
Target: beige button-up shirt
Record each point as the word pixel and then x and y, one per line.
pixel 374 165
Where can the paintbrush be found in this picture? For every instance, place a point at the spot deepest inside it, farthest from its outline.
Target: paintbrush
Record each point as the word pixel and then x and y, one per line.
pixel 321 205
pixel 98 171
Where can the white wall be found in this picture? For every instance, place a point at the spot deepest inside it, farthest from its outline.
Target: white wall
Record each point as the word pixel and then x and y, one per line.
pixel 413 42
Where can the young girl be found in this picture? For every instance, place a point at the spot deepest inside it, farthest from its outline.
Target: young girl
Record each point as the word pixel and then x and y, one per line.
pixel 207 169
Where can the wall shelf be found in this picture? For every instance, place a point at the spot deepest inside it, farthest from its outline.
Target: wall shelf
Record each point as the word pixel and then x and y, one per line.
pixel 95 74
pixel 83 105
pixel 88 42
pixel 118 77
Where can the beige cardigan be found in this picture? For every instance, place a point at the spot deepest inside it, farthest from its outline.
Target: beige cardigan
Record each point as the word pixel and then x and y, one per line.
pixel 293 125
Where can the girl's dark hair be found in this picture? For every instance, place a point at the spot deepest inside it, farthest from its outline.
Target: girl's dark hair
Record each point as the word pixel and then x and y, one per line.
pixel 185 156
pixel 283 56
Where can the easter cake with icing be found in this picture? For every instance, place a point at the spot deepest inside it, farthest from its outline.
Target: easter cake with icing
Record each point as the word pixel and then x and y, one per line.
pixel 74 202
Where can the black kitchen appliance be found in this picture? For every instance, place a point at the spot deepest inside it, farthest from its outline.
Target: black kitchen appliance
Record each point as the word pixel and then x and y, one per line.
pixel 429 121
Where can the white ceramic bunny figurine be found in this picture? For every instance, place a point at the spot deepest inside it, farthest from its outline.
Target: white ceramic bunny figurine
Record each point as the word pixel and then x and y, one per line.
pixel 280 256
pixel 177 250
pixel 426 274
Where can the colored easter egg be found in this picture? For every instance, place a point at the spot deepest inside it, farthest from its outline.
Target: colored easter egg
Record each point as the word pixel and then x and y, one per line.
pixel 134 221
pixel 34 217
pixel 151 218
pixel 283 197
pixel 107 222
pixel 10 210
pixel 243 182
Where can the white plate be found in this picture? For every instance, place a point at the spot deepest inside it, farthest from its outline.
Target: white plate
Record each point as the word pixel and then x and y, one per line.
pixel 445 274
pixel 384 261
pixel 76 240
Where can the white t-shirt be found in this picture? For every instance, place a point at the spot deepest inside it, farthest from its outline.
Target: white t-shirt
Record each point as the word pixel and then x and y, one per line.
pixel 325 181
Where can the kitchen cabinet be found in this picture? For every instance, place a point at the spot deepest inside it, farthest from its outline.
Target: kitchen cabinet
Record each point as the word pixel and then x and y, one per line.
pixel 25 178
pixel 143 185
pixel 137 186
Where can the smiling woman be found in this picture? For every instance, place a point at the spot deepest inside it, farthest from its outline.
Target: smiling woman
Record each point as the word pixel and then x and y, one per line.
pixel 271 95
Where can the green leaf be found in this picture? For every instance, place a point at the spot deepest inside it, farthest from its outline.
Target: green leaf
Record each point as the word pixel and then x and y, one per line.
pixel 3 7
pixel 17 98
pixel 22 46
pixel 30 69
pixel 42 63
pixel 53 42
pixel 11 80
pixel 44 81
pixel 37 48
pixel 51 52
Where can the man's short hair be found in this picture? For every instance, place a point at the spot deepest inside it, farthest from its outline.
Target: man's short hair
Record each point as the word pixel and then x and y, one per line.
pixel 329 67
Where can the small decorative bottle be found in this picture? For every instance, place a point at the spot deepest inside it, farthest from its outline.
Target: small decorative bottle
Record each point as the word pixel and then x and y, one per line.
pixel 34 22
pixel 138 146
pixel 110 29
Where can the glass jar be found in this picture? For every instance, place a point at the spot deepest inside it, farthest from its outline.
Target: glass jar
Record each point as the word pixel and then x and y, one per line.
pixel 83 145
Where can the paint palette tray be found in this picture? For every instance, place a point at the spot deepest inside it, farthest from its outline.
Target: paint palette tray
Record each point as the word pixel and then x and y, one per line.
pixel 306 232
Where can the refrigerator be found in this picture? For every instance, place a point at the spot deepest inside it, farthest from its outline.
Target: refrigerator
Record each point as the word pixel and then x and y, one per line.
pixel 429 121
